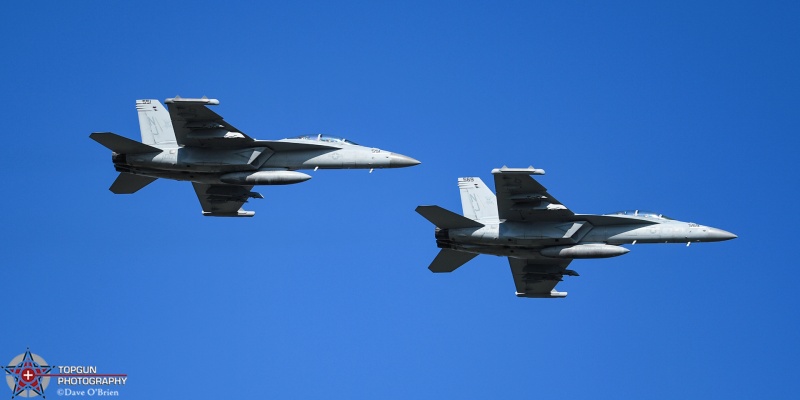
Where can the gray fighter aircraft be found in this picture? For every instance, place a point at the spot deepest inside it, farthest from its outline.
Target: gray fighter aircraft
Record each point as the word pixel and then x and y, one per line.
pixel 539 235
pixel 189 142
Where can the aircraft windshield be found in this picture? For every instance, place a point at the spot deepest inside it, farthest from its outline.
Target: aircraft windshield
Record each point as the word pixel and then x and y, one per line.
pixel 641 213
pixel 325 138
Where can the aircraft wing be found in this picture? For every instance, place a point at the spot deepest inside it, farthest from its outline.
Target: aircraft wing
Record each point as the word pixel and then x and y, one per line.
pixel 539 277
pixel 224 200
pixel 522 198
pixel 196 125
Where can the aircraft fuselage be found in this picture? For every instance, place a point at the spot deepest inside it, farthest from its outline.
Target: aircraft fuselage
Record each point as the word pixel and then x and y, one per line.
pixel 212 165
pixel 574 239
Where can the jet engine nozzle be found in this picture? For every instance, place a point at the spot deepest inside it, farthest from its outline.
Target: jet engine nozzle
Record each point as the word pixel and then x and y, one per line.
pixel 118 158
pixel 264 178
pixel 443 238
pixel 584 251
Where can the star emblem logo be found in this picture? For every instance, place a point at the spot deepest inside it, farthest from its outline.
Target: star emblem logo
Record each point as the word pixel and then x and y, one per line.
pixel 26 375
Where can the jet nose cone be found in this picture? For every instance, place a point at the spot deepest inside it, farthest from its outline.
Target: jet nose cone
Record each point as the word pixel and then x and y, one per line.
pixel 399 160
pixel 720 235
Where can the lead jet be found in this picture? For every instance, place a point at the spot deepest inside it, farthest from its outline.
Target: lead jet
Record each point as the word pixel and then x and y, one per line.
pixel 539 235
pixel 189 142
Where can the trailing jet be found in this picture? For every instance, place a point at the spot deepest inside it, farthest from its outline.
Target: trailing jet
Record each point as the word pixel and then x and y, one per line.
pixel 189 142
pixel 539 235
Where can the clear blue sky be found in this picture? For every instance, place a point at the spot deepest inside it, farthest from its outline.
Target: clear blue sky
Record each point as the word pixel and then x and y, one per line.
pixel 688 108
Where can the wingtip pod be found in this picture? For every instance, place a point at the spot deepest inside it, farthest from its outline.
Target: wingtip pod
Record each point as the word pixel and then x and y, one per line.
pixel 240 213
pixel 204 100
pixel 552 295
pixel 526 171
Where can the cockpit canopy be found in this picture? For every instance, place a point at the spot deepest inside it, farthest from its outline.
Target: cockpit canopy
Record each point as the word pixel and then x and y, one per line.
pixel 641 213
pixel 325 138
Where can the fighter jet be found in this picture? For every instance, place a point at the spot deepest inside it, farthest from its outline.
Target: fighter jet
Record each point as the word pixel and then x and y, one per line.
pixel 189 142
pixel 539 235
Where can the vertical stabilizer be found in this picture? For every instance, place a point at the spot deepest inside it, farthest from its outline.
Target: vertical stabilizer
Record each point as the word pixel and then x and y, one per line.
pixel 477 200
pixel 155 123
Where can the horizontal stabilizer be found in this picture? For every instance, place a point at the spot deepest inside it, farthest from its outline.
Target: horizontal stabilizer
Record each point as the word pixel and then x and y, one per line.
pixel 448 260
pixel 122 145
pixel 128 183
pixel 446 219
